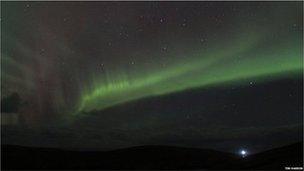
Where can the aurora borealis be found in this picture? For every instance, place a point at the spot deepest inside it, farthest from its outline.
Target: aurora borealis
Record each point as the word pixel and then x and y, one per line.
pixel 207 68
pixel 232 52
pixel 132 73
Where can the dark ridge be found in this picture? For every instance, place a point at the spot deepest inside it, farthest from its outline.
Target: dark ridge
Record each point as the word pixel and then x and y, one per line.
pixel 287 156
pixel 148 157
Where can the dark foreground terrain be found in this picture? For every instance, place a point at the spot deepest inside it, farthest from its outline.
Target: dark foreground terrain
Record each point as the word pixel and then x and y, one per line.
pixel 148 157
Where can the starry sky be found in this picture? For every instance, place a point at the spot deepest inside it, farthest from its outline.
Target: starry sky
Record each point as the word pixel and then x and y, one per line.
pixel 135 72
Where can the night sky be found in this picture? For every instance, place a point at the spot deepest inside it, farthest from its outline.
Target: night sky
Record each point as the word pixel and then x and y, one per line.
pixel 104 75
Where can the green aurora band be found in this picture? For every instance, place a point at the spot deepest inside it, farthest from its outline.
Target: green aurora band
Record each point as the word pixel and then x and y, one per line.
pixel 234 62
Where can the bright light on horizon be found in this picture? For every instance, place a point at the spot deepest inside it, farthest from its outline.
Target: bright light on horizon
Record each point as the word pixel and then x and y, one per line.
pixel 243 153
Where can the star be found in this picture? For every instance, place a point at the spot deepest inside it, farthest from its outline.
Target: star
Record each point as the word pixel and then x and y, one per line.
pixel 164 48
